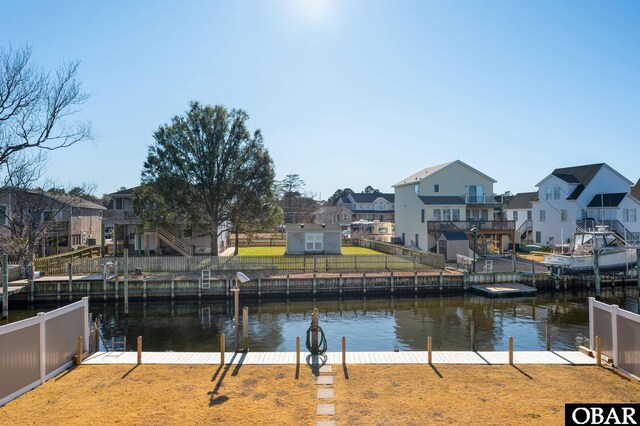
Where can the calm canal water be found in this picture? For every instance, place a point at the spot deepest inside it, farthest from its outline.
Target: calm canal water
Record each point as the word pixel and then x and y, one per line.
pixel 378 324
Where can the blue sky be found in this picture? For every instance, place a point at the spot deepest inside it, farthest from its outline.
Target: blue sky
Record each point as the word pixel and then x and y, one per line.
pixel 353 93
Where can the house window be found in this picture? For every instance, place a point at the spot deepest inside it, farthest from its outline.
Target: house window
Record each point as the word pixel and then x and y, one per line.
pixel 119 204
pixel 313 242
pixel 632 215
pixel 543 215
pixel 456 214
pixel 3 215
pixel 556 192
pixel 563 215
pixel 515 216
pixel 529 214
pixel 548 195
pixel 446 215
pixel 75 240
pixel 625 215
pixel 416 189
pixel 422 215
pixel 436 214
pixel 48 216
pixel 436 188
pixel 77 212
pixel 380 205
pixel 538 237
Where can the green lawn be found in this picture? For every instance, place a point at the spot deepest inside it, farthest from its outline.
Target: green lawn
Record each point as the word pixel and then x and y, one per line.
pixel 279 251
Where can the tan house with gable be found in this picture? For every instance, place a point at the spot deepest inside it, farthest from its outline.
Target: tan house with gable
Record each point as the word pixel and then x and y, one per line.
pixel 448 200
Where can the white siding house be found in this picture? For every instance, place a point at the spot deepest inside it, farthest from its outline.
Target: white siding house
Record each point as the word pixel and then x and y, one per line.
pixel 583 196
pixel 452 197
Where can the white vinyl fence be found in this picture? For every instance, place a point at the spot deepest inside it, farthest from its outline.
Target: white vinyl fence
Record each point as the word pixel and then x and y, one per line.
pixel 34 350
pixel 619 332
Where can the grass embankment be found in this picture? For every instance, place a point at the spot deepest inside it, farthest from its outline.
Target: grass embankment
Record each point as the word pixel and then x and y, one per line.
pixel 279 251
pixel 372 394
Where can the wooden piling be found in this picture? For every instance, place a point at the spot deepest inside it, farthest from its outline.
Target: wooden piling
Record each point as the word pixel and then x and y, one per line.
pixel 245 328
pixel 79 351
pixel 415 281
pixel 598 351
pixel 392 283
pixel 510 350
pixel 126 281
pixel 429 350
pixel 344 350
pixel 139 347
pixel 314 283
pixel 222 349
pixel 340 283
pixel 105 270
pixel 364 282
pixel 298 350
pixel 547 335
pixel 473 335
pixel 288 285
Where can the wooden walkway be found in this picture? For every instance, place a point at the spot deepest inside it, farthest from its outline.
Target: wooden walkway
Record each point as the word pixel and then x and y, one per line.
pixel 413 357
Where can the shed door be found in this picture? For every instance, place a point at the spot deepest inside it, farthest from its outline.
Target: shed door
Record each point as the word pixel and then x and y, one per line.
pixel 313 242
pixel 442 248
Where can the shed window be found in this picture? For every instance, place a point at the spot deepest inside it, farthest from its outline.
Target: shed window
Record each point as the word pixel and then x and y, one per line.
pixel 313 242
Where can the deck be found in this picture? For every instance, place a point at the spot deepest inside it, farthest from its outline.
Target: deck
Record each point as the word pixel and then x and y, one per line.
pixel 504 290
pixel 289 358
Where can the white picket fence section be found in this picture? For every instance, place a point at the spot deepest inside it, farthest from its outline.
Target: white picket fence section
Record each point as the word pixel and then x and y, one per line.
pixel 619 332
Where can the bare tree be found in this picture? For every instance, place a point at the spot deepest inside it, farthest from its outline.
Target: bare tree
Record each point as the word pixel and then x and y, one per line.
pixel 35 105
pixel 29 214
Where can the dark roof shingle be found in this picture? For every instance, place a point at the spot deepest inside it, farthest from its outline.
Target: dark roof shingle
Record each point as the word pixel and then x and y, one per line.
pixel 522 200
pixel 607 200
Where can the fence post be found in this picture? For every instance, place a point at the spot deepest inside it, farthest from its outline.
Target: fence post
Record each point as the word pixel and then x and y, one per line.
pixel 144 288
pixel 222 349
pixel 344 350
pixel 591 324
pixel 5 286
pixel 533 273
pixel 85 322
pixel 614 333
pixel 429 349
pixel 43 347
pixel 139 347
pixel 298 351
pixel 510 350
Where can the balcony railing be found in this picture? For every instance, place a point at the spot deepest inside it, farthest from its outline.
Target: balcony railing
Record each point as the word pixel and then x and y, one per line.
pixel 481 199
pixel 111 215
pixel 465 226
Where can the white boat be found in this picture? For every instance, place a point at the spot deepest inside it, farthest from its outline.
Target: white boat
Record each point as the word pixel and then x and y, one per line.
pixel 614 254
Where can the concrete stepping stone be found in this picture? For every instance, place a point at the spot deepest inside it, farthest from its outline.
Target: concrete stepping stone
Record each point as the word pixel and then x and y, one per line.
pixel 326 369
pixel 324 393
pixel 326 410
pixel 326 423
pixel 325 380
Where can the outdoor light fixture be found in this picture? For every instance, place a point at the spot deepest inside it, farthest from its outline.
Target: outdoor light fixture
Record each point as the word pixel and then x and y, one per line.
pixel 474 230
pixel 242 278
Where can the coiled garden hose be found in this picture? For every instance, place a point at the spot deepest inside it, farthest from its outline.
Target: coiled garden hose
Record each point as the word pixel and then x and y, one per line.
pixel 322 340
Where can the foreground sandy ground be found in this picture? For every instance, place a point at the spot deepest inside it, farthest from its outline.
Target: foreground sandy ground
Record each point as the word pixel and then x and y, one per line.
pixel 364 394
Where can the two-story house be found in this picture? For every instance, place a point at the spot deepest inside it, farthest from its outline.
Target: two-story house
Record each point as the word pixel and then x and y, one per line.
pixel 376 206
pixel 130 232
pixel 584 196
pixel 446 206
pixel 69 222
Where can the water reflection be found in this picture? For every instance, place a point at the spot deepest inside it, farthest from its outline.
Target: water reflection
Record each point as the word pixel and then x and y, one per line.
pixel 380 324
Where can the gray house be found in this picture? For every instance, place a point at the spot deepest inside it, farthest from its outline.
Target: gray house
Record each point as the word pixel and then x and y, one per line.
pixel 312 238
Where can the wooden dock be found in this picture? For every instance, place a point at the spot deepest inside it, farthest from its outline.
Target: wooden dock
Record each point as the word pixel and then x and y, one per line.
pixel 504 290
pixel 289 358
